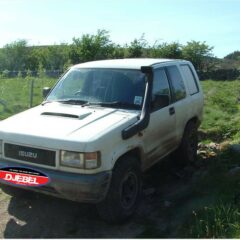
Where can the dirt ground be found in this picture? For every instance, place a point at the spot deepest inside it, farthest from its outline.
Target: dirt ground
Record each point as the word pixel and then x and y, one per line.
pixel 166 199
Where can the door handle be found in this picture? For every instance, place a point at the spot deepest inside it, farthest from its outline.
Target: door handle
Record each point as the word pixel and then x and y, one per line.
pixel 171 110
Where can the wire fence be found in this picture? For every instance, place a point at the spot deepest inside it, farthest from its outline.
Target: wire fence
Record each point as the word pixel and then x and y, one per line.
pixel 20 93
pixel 25 73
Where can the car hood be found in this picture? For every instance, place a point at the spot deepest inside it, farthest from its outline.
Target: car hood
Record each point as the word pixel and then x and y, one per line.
pixel 64 122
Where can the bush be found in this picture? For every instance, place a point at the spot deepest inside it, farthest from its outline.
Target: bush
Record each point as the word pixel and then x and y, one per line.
pixel 5 73
pixel 220 74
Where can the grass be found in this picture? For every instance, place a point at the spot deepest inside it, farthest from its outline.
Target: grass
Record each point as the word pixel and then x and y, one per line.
pixel 219 221
pixel 221 111
pixel 219 215
pixel 15 92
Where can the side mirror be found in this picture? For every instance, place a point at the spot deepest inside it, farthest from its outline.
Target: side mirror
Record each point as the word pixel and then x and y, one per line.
pixel 46 91
pixel 160 101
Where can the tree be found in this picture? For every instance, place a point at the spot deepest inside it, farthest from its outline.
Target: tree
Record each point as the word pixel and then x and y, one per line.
pixel 2 60
pixel 50 57
pixel 136 47
pixel 233 56
pixel 199 53
pixel 37 55
pixel 41 73
pixel 118 52
pixel 14 55
pixel 58 56
pixel 91 47
pixel 67 65
pixel 166 50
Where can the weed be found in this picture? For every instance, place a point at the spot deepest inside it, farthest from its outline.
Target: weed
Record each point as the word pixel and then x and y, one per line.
pixel 219 221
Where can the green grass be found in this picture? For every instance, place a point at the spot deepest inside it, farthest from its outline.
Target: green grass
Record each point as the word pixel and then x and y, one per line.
pixel 222 110
pixel 218 216
pixel 16 91
pixel 219 221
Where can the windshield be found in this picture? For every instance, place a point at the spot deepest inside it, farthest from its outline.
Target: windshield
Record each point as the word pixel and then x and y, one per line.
pixel 109 87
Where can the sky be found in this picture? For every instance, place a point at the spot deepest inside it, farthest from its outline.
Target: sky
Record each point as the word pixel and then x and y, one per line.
pixel 43 22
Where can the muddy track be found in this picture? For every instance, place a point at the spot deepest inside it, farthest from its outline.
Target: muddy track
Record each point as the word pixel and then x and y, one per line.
pixel 167 192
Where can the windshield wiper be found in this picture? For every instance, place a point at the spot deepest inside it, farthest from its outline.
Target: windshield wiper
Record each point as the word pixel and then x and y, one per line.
pixel 116 104
pixel 73 101
pixel 68 101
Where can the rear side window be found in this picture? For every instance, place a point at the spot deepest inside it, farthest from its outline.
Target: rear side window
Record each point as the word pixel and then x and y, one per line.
pixel 160 83
pixel 177 84
pixel 190 79
pixel 160 91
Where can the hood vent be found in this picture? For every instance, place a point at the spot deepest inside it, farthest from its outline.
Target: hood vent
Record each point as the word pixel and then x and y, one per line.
pixel 60 114
pixel 66 115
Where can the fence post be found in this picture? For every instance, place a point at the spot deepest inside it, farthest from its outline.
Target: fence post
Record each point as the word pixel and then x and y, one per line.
pixel 31 93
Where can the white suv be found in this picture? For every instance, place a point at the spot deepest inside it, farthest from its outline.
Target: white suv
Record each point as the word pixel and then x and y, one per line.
pixel 102 124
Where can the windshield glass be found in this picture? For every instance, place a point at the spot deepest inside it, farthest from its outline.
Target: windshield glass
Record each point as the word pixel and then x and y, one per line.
pixel 101 86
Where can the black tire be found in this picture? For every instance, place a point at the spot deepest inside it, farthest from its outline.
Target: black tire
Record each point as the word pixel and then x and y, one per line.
pixel 124 192
pixel 187 151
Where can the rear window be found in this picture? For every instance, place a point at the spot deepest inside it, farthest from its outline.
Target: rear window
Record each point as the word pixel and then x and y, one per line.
pixel 190 79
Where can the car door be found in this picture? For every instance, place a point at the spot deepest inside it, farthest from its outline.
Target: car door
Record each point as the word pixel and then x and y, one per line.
pixel 160 134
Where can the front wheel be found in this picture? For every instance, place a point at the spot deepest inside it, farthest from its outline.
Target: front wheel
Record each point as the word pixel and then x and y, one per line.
pixel 123 195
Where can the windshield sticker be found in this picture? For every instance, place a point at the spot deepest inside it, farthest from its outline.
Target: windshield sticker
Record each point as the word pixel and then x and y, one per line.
pixel 23 176
pixel 138 100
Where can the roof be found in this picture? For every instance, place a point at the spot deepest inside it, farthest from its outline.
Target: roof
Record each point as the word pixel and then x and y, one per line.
pixel 127 63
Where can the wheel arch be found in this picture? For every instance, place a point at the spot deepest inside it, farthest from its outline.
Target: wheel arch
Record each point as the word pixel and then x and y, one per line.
pixel 136 152
pixel 195 120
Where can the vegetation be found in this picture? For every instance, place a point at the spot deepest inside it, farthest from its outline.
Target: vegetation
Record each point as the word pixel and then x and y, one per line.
pixel 18 56
pixel 218 213
pixel 235 55
pixel 222 110
pixel 15 93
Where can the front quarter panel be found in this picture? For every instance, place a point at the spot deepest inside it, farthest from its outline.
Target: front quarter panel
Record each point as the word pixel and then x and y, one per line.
pixel 112 146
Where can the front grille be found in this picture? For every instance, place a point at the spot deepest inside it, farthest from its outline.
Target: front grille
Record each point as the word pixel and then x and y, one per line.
pixel 29 154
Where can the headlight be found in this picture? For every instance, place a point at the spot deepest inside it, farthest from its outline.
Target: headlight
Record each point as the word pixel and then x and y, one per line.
pixel 72 159
pixel 1 147
pixel 80 160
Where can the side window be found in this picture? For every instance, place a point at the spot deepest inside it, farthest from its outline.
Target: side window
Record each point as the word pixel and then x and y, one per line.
pixel 190 79
pixel 161 91
pixel 178 88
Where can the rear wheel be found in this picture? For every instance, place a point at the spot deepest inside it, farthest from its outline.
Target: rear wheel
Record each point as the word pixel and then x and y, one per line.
pixel 122 198
pixel 187 151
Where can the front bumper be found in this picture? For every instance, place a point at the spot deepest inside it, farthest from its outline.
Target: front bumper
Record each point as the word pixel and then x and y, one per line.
pixel 91 188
